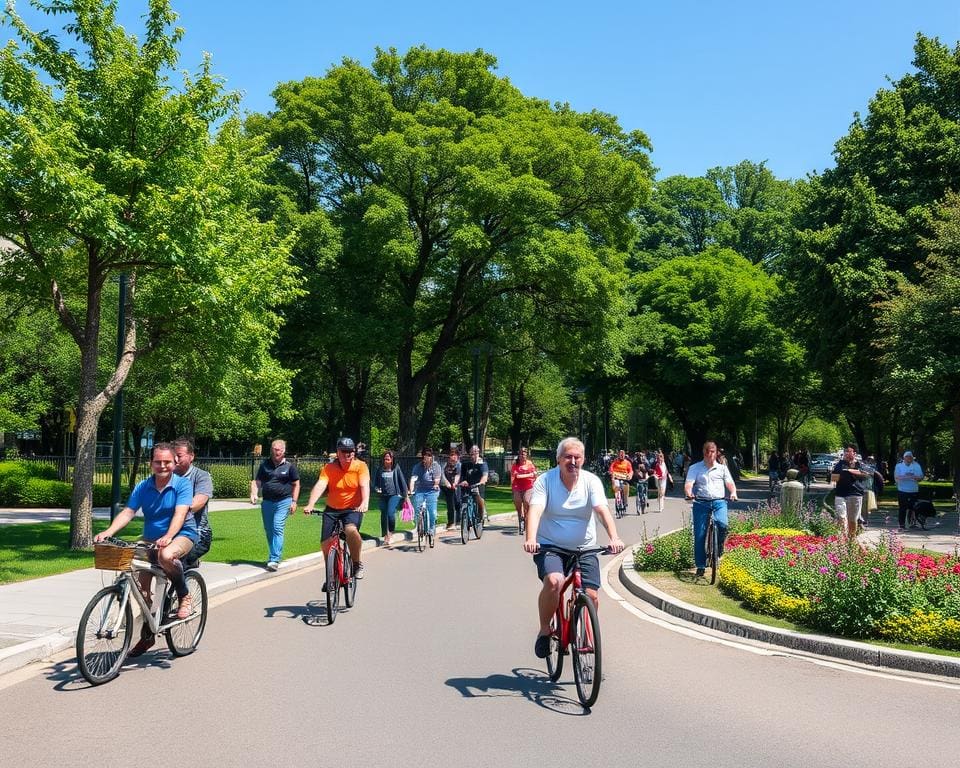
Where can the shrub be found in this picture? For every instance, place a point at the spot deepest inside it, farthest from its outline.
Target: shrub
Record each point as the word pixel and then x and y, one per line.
pixel 230 481
pixel 13 477
pixel 673 552
pixel 40 492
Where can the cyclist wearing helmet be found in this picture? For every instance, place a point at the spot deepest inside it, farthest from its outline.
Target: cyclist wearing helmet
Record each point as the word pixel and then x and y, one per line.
pixel 348 481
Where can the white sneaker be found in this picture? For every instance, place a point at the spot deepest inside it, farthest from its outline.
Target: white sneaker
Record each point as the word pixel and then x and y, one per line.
pixel 272 566
pixel 358 570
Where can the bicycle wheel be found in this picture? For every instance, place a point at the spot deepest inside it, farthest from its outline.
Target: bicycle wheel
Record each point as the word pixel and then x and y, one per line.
pixel 521 522
pixel 103 637
pixel 712 546
pixel 477 521
pixel 586 651
pixel 183 638
pixel 555 657
pixel 334 567
pixel 618 505
pixel 466 512
pixel 421 533
pixel 350 588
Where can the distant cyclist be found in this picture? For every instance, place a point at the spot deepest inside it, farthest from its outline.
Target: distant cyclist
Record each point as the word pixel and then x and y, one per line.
pixel 707 483
pixel 621 472
pixel 474 472
pixel 563 510
pixel 346 480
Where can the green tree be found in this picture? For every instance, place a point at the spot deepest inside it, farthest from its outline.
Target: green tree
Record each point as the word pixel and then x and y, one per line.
pixel 860 228
pixel 921 327
pixel 454 190
pixel 106 168
pixel 704 340
pixel 760 206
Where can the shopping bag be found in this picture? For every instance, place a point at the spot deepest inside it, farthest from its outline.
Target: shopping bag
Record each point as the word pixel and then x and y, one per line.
pixel 406 513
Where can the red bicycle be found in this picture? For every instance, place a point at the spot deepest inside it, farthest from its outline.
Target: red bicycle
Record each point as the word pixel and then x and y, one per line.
pixel 576 626
pixel 339 571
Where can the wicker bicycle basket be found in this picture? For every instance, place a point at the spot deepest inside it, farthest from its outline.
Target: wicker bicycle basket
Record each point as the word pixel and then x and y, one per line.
pixel 109 557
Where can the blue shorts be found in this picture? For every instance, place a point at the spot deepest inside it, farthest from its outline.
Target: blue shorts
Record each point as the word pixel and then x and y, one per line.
pixel 551 562
pixel 330 517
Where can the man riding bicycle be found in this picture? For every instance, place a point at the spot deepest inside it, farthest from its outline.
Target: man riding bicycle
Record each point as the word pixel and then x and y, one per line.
pixel 473 478
pixel 621 472
pixel 706 484
pixel 563 510
pixel 348 481
pixel 164 498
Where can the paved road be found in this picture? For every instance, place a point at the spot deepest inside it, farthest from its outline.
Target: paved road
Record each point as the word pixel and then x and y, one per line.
pixel 435 666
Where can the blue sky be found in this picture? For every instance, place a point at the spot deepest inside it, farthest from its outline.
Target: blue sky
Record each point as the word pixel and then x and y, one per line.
pixel 710 83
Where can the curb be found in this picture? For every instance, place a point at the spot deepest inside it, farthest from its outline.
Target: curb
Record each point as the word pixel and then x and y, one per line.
pixel 43 648
pixel 820 645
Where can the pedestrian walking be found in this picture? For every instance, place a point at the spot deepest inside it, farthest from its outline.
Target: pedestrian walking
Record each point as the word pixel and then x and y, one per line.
pixel 849 475
pixel 907 475
pixel 391 488
pixel 279 482
pixel 450 485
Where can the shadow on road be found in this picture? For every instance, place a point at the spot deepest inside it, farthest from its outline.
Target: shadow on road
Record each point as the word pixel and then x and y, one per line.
pixel 530 684
pixel 313 614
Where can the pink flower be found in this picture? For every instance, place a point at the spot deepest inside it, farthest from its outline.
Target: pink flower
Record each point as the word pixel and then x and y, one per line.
pixel 841 575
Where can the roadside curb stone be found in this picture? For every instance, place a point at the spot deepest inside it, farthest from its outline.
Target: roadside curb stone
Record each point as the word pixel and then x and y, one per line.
pixel 820 645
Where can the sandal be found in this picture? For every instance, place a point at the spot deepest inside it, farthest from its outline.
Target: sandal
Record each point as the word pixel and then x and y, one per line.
pixel 186 607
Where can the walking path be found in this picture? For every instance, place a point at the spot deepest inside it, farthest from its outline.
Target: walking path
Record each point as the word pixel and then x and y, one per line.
pixel 39 617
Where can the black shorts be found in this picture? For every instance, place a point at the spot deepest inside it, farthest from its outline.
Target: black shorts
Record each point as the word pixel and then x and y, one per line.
pixel 330 517
pixel 551 562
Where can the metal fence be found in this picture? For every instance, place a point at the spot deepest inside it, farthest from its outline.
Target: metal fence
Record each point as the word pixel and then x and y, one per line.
pixel 308 465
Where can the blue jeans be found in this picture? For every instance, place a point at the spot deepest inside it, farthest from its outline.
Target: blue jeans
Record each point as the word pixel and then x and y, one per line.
pixel 275 515
pixel 388 514
pixel 431 498
pixel 700 509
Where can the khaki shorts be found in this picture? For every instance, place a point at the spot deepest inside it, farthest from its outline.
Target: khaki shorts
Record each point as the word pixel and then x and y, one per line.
pixel 848 508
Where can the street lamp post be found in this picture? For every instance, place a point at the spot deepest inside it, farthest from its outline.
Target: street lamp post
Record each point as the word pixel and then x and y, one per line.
pixel 118 405
pixel 476 397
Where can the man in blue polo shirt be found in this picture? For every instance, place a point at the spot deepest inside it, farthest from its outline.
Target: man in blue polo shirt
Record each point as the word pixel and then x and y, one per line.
pixel 164 498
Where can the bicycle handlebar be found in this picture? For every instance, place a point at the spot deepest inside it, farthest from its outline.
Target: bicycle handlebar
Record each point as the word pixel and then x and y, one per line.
pixel 326 511
pixel 579 551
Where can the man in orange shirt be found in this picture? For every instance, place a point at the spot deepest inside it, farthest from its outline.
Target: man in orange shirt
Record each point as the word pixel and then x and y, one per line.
pixel 348 481
pixel 621 470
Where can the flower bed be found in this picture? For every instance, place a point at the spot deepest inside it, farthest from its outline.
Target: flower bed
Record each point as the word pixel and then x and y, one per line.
pixel 861 592
pixel 795 566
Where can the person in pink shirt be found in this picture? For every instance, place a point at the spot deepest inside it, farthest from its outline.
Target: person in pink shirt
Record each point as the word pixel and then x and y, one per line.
pixel 522 474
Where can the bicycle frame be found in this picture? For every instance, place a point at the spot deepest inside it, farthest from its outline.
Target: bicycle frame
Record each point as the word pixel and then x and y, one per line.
pixel 129 585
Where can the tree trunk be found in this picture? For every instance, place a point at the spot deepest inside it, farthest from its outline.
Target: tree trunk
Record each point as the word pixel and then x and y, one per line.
pixel 91 402
pixel 486 401
pixel 466 431
pixel 518 401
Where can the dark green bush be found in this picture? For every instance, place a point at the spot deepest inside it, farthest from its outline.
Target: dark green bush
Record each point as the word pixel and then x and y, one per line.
pixel 13 477
pixel 230 481
pixel 41 492
pixel 103 495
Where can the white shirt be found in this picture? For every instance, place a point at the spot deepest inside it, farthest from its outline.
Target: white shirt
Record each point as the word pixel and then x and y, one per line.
pixel 709 483
pixel 908 476
pixel 568 519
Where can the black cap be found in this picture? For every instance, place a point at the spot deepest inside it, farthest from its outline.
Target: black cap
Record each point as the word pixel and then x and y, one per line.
pixel 345 444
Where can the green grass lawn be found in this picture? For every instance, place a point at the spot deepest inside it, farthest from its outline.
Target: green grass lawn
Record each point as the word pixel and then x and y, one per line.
pixel 32 550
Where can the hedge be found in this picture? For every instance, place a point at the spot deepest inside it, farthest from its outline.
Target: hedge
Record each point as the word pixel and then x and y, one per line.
pixel 230 481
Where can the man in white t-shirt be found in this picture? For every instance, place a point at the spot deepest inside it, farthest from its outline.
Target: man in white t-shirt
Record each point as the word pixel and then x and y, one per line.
pixel 563 510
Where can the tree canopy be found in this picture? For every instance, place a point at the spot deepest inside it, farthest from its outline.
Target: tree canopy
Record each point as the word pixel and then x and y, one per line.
pixel 106 168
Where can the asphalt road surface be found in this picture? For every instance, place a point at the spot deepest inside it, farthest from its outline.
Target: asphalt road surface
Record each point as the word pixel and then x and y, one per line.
pixel 435 666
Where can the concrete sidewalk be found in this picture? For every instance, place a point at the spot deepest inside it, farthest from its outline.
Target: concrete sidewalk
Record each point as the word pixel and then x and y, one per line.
pixel 39 617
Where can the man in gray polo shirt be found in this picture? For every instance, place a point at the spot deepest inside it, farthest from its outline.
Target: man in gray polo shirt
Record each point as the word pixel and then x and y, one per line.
pixel 183 456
